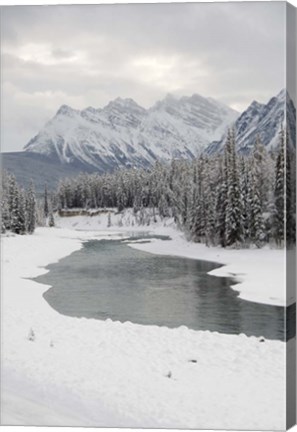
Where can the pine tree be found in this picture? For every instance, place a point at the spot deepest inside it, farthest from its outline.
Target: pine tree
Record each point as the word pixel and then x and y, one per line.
pixel 18 212
pixel 221 202
pixel 279 192
pixel 289 200
pixel 163 206
pixel 210 202
pixel 192 202
pixel 257 227
pixel 5 217
pixel 109 220
pixel 234 229
pixel 31 209
pixel 245 199
pixel 199 223
pixel 5 214
pixel 51 219
pixel 45 208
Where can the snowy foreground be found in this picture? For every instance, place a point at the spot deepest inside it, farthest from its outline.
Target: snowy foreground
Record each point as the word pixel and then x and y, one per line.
pixel 104 373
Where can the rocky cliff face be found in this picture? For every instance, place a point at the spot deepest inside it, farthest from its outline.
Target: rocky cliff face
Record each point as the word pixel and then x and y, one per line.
pixel 264 121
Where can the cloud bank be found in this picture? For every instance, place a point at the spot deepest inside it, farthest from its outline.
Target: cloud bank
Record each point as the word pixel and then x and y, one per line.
pixel 89 55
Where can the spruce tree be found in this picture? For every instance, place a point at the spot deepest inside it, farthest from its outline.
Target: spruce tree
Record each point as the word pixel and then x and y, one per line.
pixel 210 202
pixel 257 228
pixel 18 212
pixel 45 207
pixel 245 198
pixel 31 209
pixel 233 209
pixel 5 216
pixel 108 220
pixel 221 202
pixel 279 191
pixel 51 220
pixel 289 199
pixel 199 223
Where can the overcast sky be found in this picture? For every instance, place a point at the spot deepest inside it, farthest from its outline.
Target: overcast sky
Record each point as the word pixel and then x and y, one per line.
pixel 88 55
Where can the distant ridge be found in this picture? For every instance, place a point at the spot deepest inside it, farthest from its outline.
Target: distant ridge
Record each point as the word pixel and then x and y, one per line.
pixel 264 120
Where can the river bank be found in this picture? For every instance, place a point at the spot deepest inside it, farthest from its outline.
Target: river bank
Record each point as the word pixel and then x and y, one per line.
pixel 146 376
pixel 259 273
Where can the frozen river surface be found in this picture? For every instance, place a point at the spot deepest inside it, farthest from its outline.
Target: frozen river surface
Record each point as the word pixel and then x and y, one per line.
pixel 108 279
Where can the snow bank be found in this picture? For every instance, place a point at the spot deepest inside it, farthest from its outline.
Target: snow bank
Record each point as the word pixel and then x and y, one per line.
pixel 260 272
pixel 124 221
pixel 104 373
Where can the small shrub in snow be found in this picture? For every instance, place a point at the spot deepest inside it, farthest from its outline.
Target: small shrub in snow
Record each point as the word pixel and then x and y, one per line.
pixel 51 220
pixel 109 220
pixel 31 335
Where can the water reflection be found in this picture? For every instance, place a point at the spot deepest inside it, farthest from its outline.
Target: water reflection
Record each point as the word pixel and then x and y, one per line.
pixel 110 279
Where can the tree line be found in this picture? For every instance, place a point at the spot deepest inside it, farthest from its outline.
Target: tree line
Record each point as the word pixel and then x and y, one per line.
pixel 223 199
pixel 18 206
pixel 21 210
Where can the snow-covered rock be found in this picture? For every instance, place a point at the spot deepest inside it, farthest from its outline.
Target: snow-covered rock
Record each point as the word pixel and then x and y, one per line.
pixel 125 134
pixel 265 121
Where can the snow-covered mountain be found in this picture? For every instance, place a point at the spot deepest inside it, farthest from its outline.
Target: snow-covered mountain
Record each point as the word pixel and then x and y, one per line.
pixel 264 121
pixel 125 134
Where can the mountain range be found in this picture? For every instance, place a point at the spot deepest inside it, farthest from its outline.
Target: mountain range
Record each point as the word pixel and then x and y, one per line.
pixel 124 134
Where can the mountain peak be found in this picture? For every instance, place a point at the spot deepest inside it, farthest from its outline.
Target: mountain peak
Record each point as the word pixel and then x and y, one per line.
pixel 282 94
pixel 91 109
pixel 171 99
pixel 66 110
pixel 198 98
pixel 124 103
pixel 255 105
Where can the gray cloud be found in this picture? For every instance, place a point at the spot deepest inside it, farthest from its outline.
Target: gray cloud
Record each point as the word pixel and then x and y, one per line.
pixel 88 55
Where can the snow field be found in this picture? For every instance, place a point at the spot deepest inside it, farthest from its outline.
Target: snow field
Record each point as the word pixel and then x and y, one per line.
pixel 105 373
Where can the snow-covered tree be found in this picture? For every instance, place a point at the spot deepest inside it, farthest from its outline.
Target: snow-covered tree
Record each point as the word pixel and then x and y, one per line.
pixel 227 199
pixel 18 222
pixel 30 209
pixel 234 228
pixel 279 192
pixel 258 195
pixel 51 219
pixel 108 220
pixel 221 202
pixel 290 195
pixel 45 208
